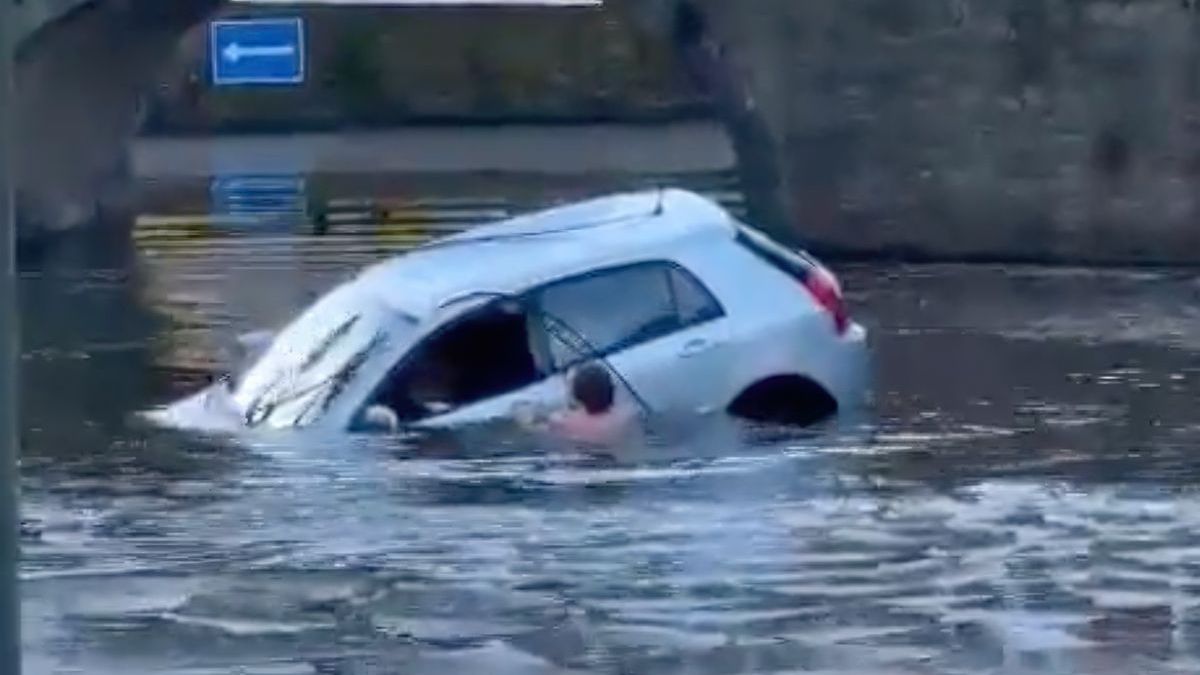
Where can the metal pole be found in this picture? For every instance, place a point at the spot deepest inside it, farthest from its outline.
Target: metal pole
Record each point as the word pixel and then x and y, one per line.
pixel 10 597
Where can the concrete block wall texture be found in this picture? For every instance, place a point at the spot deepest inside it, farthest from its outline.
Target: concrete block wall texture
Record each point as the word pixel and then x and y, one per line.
pixel 1051 130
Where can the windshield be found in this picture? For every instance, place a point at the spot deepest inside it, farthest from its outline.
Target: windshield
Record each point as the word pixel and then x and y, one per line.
pixel 315 356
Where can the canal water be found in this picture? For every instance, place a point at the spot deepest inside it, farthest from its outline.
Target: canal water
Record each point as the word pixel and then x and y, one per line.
pixel 1023 499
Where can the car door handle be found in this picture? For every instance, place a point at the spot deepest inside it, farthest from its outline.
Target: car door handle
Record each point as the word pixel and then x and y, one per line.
pixel 695 347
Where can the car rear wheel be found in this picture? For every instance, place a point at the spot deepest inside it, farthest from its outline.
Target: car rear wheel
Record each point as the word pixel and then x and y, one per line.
pixel 785 399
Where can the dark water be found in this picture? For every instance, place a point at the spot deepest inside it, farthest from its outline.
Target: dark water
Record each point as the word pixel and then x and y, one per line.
pixel 1024 501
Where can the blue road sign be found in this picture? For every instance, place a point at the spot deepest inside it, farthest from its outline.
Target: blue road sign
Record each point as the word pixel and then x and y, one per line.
pixel 260 200
pixel 257 51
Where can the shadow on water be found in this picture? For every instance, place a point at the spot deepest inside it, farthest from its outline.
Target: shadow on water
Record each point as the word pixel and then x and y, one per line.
pixel 84 341
pixel 87 359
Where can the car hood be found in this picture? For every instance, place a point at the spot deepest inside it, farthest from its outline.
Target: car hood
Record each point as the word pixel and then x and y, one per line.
pixel 212 409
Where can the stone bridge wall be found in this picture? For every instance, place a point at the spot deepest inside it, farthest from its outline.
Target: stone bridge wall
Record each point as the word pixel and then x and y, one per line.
pixel 78 83
pixel 395 66
pixel 1064 130
pixel 30 16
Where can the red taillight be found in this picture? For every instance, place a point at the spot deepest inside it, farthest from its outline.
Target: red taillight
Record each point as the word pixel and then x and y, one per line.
pixel 825 289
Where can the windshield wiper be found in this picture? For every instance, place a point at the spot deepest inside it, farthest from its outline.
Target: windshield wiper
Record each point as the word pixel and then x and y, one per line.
pixel 347 373
pixel 310 360
pixel 325 345
pixel 258 411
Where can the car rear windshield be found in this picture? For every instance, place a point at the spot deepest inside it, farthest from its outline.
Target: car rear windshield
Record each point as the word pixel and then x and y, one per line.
pixel 776 255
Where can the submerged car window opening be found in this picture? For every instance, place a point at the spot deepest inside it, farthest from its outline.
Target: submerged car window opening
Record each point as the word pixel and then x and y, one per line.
pixel 487 351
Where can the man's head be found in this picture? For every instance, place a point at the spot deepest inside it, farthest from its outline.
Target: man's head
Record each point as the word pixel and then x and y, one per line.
pixel 593 388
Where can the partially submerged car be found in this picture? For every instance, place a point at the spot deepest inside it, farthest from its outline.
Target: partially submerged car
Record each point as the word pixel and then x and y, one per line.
pixel 691 310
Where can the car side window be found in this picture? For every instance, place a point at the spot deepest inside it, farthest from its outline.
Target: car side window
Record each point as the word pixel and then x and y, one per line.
pixel 608 311
pixel 694 303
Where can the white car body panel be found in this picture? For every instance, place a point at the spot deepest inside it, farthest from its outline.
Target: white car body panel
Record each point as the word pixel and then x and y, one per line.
pixel 785 336
pixel 770 325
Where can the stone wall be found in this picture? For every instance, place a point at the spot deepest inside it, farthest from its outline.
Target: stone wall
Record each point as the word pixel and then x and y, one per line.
pixel 372 66
pixel 77 83
pixel 1056 130
pixel 1061 130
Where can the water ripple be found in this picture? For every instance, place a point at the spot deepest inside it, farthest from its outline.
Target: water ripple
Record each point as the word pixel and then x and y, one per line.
pixel 1023 503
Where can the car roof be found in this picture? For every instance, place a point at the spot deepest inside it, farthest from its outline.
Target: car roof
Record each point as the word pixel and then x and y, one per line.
pixel 514 255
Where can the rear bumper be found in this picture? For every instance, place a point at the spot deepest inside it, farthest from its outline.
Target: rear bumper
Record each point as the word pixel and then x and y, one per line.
pixel 846 372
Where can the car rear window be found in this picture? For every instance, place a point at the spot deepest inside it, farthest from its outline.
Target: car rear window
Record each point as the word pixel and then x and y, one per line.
pixel 774 254
pixel 693 302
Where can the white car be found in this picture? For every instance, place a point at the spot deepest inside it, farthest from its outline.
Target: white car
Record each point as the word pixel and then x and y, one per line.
pixel 690 309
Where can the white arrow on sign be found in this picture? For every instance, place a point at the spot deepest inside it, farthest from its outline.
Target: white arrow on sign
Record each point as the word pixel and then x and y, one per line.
pixel 236 52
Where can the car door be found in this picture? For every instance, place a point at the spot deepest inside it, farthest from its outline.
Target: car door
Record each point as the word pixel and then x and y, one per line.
pixel 547 393
pixel 654 323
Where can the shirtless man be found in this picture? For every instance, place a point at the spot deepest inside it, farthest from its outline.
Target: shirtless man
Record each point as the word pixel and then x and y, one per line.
pixel 593 416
